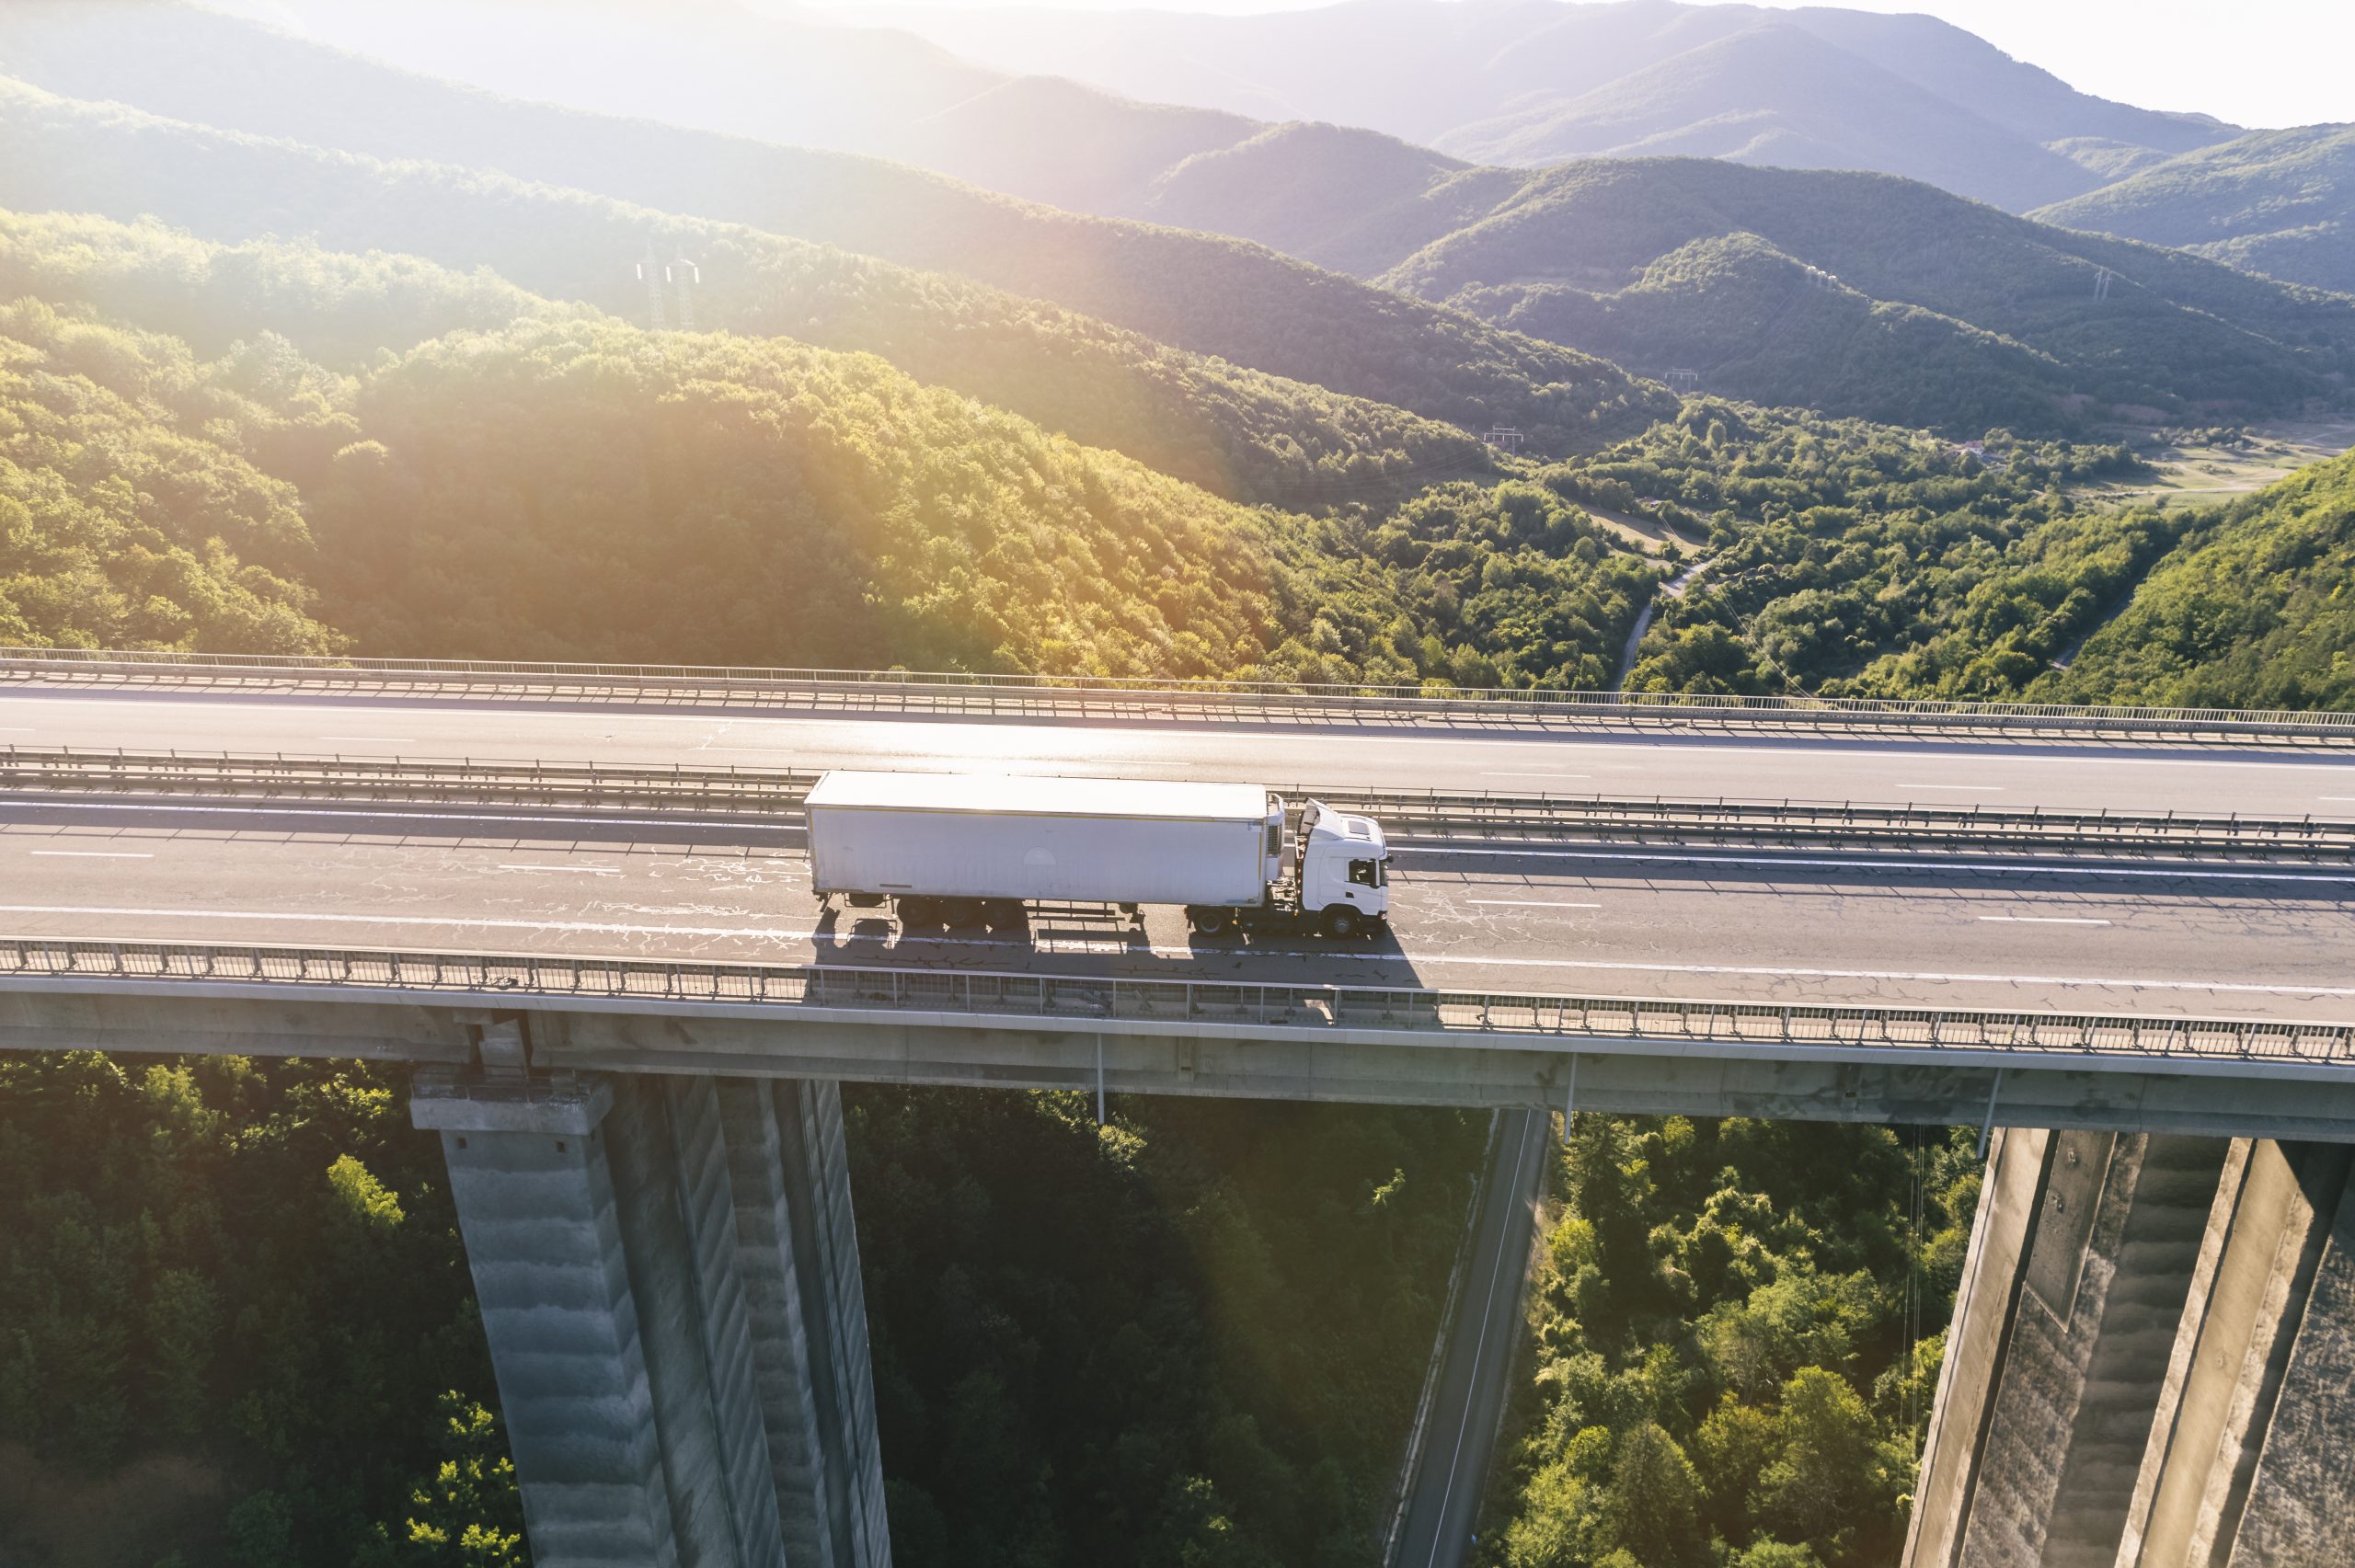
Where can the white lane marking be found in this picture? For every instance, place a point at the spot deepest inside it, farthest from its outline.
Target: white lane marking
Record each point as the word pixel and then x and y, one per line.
pixel 1971 789
pixel 2348 797
pixel 1531 904
pixel 394 812
pixel 780 934
pixel 1440 1536
pixel 575 870
pixel 16 730
pixel 1521 774
pixel 2042 919
pixel 100 854
pixel 2038 868
pixel 378 739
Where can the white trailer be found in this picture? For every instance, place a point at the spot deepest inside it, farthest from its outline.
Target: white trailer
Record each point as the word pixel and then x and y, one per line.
pixel 960 849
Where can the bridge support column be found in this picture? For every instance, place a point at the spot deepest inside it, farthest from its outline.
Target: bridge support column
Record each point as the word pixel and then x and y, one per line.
pixel 667 1273
pixel 2152 1363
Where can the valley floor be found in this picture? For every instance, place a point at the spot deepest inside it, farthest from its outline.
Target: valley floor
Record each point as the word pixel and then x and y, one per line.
pixel 2198 472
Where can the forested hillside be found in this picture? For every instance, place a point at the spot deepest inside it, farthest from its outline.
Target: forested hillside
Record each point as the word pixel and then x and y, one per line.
pixel 609 490
pixel 1738 1333
pixel 1195 292
pixel 2254 608
pixel 131 511
pixel 1848 557
pixel 1241 431
pixel 2279 202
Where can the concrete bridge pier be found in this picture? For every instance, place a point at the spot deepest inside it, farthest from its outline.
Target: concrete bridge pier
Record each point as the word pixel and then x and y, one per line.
pixel 667 1273
pixel 2153 1360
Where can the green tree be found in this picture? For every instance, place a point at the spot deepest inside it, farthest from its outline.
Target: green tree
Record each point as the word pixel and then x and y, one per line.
pixel 1823 1486
pixel 1654 1499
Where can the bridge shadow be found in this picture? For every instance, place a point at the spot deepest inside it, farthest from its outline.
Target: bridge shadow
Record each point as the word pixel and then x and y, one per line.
pixel 1160 948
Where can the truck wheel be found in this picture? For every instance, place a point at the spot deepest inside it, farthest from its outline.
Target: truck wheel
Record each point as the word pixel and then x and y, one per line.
pixel 1341 923
pixel 1210 922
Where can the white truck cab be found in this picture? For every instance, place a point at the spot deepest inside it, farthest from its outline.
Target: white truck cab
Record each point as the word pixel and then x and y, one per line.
pixel 1343 870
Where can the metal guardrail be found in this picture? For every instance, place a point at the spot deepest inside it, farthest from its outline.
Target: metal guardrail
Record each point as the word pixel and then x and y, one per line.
pixel 967 691
pixel 1723 821
pixel 1086 1001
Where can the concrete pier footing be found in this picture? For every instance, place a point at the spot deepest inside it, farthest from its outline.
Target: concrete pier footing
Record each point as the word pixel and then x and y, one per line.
pixel 667 1273
pixel 2153 1360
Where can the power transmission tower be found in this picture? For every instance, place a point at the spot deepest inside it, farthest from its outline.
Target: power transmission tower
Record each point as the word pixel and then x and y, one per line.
pixel 685 278
pixel 654 275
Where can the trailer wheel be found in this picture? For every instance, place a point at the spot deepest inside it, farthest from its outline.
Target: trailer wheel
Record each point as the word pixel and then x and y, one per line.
pixel 1003 914
pixel 1210 922
pixel 961 914
pixel 1341 923
pixel 918 914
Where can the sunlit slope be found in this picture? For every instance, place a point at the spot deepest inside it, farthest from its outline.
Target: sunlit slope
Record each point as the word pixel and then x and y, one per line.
pixel 337 309
pixel 2253 609
pixel 2280 202
pixel 548 478
pixel 1240 431
pixel 133 513
pixel 1208 295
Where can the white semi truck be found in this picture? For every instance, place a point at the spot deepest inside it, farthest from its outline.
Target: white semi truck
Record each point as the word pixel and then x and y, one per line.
pixel 962 850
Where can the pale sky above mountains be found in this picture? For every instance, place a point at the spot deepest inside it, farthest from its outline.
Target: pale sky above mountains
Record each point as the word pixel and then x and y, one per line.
pixel 2256 63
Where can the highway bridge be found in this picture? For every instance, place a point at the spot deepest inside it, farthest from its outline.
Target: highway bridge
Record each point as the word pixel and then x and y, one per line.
pixel 580 899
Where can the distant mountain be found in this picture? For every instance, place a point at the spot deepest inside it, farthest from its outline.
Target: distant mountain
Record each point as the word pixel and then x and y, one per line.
pixel 2280 202
pixel 1196 291
pixel 1939 312
pixel 788 76
pixel 1778 94
pixel 1854 294
pixel 1536 81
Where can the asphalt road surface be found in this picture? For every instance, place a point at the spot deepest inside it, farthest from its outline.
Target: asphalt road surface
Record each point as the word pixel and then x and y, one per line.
pixel 1930 929
pixel 1443 1496
pixel 2088 775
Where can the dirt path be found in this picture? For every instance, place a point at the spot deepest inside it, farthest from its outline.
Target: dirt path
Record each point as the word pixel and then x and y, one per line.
pixel 1672 589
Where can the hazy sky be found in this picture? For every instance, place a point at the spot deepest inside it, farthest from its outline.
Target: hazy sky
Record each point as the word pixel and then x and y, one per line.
pixel 2253 61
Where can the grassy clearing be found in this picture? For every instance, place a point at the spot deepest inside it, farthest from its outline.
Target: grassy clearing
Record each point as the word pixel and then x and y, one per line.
pixel 2203 466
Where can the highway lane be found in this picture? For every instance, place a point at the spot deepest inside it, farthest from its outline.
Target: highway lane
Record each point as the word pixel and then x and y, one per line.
pixel 2088 775
pixel 1920 929
pixel 1444 1494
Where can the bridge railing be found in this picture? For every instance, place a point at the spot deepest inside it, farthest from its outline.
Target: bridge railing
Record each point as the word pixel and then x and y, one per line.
pixel 1657 819
pixel 1084 1001
pixel 970 690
